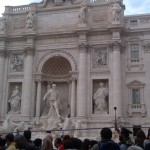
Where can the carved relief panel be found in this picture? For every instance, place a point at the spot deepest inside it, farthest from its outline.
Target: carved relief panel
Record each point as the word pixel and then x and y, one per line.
pixel 100 58
pixel 100 96
pixel 16 63
pixel 14 97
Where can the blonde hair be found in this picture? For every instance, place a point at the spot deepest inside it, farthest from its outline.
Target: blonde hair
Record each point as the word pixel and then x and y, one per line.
pixel 47 143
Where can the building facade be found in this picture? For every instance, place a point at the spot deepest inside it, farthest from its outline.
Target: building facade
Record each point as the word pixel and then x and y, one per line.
pixel 97 57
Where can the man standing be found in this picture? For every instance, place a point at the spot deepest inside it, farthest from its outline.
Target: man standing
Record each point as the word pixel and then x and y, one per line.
pixel 10 142
pixel 106 143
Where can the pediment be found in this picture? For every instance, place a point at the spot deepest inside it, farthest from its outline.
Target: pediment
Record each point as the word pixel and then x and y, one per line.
pixel 135 83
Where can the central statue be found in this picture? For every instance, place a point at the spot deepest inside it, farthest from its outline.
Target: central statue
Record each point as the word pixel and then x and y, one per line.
pixel 53 100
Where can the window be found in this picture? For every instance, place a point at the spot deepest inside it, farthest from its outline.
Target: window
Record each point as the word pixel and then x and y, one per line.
pixel 134 52
pixel 136 96
pixel 133 23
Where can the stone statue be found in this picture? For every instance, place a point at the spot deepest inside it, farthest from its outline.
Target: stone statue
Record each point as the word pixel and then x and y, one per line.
pixel 78 126
pixel 30 20
pixel 2 23
pixel 68 125
pixel 100 103
pixel 15 101
pixel 82 15
pixel 9 126
pixel 116 12
pixel 53 100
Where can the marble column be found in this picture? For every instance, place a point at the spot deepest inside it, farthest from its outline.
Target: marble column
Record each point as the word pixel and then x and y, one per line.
pixel 82 80
pixel 117 95
pixel 2 64
pixel 28 73
pixel 73 97
pixel 38 98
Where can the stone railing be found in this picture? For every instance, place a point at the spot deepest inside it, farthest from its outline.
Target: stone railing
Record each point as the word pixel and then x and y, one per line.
pixel 135 62
pixel 19 9
pixel 98 1
pixel 136 108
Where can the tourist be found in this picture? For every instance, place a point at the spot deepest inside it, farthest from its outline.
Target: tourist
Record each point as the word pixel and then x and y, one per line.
pixel 73 143
pixel 58 144
pixel 27 135
pixel 65 141
pixel 47 143
pixel 134 147
pixel 86 145
pixel 147 140
pixel 38 144
pixel 10 142
pixel 125 140
pixel 21 143
pixel 106 143
pixel 147 146
pixel 140 137
pixel 2 144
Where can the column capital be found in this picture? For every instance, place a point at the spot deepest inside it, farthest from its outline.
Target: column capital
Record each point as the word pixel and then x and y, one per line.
pixel 2 53
pixel 29 51
pixel 146 47
pixel 83 46
pixel 117 46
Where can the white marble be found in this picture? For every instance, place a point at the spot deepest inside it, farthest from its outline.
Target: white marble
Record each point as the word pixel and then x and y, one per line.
pixel 75 45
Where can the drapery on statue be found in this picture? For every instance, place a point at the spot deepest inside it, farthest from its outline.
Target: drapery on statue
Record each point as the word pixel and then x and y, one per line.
pixel 53 101
pixel 100 103
pixel 2 23
pixel 30 20
pixel 82 15
pixel 116 12
pixel 15 101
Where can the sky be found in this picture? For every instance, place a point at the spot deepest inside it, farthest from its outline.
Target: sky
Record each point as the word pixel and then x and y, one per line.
pixel 132 6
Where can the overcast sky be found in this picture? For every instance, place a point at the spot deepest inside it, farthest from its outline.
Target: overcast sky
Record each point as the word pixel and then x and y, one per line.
pixel 132 6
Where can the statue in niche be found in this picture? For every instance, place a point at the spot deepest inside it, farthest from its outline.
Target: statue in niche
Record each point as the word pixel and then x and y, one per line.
pixel 15 101
pixel 17 63
pixel 2 23
pixel 100 58
pixel 82 15
pixel 100 101
pixel 53 101
pixel 116 12
pixel 30 20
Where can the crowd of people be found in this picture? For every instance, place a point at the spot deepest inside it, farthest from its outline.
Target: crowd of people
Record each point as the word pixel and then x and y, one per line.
pixel 24 142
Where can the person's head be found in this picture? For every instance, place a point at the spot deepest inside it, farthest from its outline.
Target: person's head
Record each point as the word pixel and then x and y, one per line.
pixel 125 133
pixel 2 142
pixel 38 142
pixel 21 142
pixel 53 86
pixel 65 139
pixel 106 134
pixel 57 142
pixel 134 148
pixel 86 144
pixel 101 84
pixel 148 134
pixel 27 134
pixel 9 138
pixel 47 143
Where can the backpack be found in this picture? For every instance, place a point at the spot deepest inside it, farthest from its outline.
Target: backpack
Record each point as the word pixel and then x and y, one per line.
pixel 107 144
